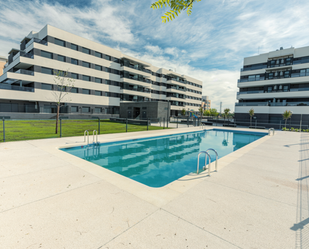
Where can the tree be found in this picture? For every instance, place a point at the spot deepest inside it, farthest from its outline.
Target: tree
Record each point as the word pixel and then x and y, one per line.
pixel 213 112
pixel 176 7
pixel 206 113
pixel 251 113
pixel 226 113
pixel 64 85
pixel 183 112
pixel 286 115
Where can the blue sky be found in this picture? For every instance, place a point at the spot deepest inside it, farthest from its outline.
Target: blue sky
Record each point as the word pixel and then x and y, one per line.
pixel 209 45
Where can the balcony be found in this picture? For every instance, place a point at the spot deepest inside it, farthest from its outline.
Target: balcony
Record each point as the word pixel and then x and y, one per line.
pixel 248 92
pixel 23 71
pixel 16 88
pixel 136 78
pixel 36 40
pixel 273 104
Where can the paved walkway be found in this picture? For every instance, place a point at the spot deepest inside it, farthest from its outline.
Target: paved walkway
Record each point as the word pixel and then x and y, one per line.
pixel 258 199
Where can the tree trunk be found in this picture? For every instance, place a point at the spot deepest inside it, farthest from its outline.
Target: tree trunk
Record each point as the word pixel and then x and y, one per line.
pixel 285 123
pixel 250 121
pixel 57 117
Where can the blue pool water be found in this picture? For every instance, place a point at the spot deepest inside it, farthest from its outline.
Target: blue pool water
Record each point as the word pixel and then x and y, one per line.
pixel 158 161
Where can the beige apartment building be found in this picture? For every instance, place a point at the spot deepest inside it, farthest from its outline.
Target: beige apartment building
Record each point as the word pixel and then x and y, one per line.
pixel 103 78
pixel 3 61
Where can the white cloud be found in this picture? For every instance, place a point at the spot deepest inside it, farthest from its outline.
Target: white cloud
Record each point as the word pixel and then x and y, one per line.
pixel 154 49
pixel 103 21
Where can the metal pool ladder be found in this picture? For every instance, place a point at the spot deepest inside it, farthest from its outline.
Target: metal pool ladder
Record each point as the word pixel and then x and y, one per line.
pixel 86 132
pixel 210 149
pixel 198 161
pixel 95 131
pixel 271 130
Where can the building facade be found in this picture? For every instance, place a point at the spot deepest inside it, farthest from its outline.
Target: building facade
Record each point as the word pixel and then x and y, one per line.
pixel 103 78
pixel 3 61
pixel 273 82
pixel 206 103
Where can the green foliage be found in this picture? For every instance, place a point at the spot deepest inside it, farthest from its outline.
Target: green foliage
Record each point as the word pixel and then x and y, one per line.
pixel 292 129
pixel 183 112
pixel 287 114
pixel 213 112
pixel 251 112
pixel 200 110
pixel 226 111
pixel 284 129
pixel 206 113
pixel 176 7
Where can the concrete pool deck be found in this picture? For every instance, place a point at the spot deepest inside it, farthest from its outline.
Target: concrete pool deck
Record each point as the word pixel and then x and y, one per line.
pixel 257 199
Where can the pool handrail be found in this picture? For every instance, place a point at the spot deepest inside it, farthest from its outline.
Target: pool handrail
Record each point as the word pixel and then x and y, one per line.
pixel 96 136
pixel 269 131
pixel 216 157
pixel 198 161
pixel 86 132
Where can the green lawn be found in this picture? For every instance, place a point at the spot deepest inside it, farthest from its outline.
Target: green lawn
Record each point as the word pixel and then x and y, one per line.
pixel 16 130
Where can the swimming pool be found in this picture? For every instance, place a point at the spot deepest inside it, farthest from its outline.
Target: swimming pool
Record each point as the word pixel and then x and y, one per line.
pixel 157 161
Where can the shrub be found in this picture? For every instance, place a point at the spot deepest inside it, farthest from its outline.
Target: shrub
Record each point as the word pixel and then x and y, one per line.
pixel 292 129
pixel 284 129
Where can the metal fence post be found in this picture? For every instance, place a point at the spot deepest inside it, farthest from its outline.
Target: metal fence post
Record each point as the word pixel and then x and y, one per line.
pixel 280 125
pixel 147 123
pixel 126 125
pixel 3 130
pixel 188 121
pixel 301 119
pixel 99 125
pixel 163 123
pixel 177 122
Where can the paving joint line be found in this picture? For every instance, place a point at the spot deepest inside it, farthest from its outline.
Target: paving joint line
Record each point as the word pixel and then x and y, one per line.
pixel 128 228
pixel 201 228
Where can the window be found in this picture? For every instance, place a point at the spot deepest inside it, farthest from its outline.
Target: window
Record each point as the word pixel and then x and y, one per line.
pixel 74 47
pixel 86 64
pixel 46 54
pixel 74 108
pixel 98 93
pixel 98 80
pixel 61 58
pixel 107 57
pixel 285 88
pixel 97 67
pixel 74 61
pixel 97 54
pixel 85 109
pixel 61 88
pixel 86 78
pixel 98 110
pixel 46 70
pixel 74 90
pixel 251 78
pixel 269 89
pixel 86 50
pixel 47 86
pixel 108 69
pixel 74 75
pixel 86 91
pixel 60 42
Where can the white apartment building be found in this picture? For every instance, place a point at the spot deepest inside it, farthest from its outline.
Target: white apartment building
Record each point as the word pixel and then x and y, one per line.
pixel 103 77
pixel 273 82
